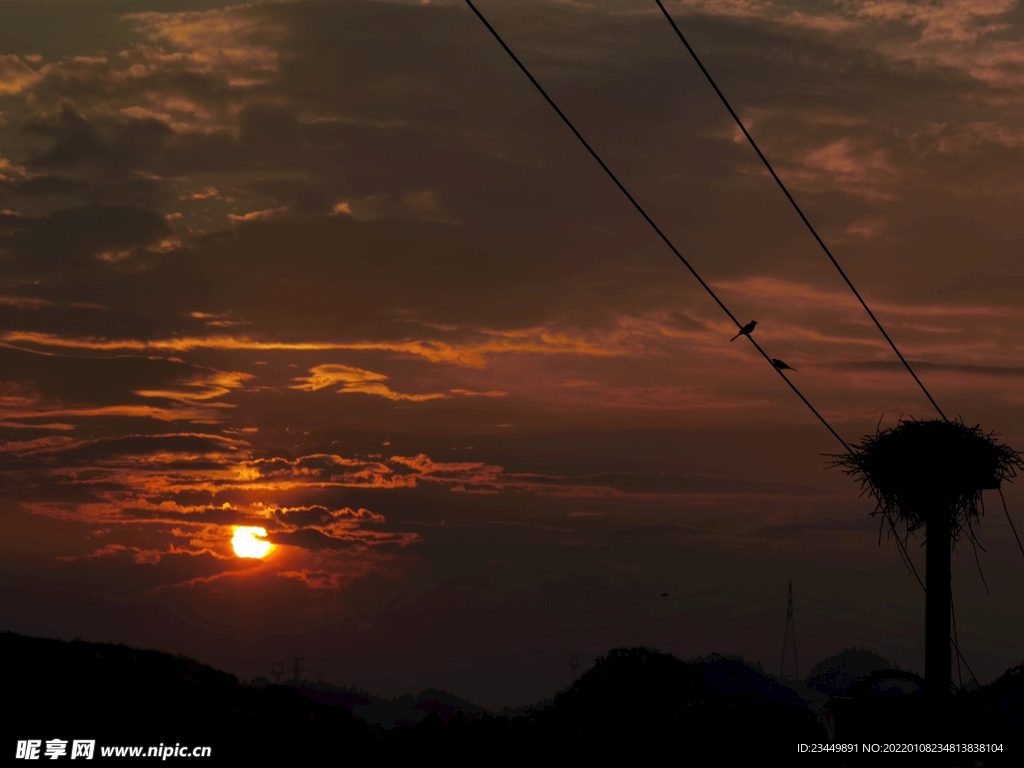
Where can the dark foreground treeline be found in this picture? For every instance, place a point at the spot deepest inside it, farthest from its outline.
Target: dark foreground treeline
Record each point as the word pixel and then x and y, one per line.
pixel 634 707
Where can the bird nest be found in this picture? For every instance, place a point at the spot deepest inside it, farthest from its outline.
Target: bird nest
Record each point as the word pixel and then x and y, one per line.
pixel 919 470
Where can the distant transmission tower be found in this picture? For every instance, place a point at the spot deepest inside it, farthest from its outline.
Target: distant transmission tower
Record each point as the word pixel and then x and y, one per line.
pixel 296 672
pixel 276 669
pixel 574 663
pixel 790 670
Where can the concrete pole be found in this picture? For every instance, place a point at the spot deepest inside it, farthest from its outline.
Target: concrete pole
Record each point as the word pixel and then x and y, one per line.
pixel 937 655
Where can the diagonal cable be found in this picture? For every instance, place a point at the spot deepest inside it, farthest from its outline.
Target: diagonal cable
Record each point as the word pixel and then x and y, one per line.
pixel 797 208
pixel 687 264
pixel 960 656
pixel 648 219
pixel 1010 521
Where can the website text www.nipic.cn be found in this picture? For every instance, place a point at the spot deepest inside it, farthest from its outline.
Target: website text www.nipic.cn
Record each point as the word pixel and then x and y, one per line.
pixel 85 749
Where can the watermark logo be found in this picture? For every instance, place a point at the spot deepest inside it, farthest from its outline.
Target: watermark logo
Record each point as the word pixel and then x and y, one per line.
pixel 34 749
pixel 84 749
pixel 28 750
pixel 53 749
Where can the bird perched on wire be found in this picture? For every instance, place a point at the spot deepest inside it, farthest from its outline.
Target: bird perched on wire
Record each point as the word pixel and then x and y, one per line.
pixel 746 330
pixel 782 366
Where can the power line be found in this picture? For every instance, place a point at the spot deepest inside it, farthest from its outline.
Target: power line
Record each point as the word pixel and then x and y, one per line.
pixel 825 248
pixel 693 271
pixel 952 612
pixel 649 220
pixel 797 208
pixel 953 638
pixel 1010 521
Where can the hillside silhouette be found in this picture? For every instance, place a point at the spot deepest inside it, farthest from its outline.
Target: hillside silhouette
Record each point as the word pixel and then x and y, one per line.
pixel 640 704
pixel 633 706
pixel 403 711
pixel 128 696
pixel 836 675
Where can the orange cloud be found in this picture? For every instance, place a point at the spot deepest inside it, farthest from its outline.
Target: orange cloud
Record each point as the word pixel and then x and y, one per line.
pixel 967 138
pixel 355 380
pixel 942 21
pixel 40 445
pixel 203 194
pixel 960 21
pixel 848 165
pixel 59 426
pixel 218 320
pixel 270 213
pixel 541 341
pixel 788 292
pixel 15 75
pixel 192 400
pixel 233 49
pixel 147 485
pixel 867 228
pixel 201 388
pixel 217 40
pixel 22 302
pixel 198 415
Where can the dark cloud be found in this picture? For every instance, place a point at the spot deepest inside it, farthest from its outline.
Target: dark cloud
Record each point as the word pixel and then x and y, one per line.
pixel 337 271
pixel 91 379
pixel 47 185
pixel 188 446
pixel 314 540
pixel 85 237
pixel 74 140
pixel 299 195
pixel 798 529
pixel 639 483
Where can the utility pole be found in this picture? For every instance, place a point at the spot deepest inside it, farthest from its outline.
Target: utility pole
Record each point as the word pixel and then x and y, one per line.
pixel 790 670
pixel 574 664
pixel 938 659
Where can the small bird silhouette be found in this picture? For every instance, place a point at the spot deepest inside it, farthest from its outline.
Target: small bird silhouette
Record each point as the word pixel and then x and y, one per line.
pixel 782 366
pixel 664 594
pixel 745 330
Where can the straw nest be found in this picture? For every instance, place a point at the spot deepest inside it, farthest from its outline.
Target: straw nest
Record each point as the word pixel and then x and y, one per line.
pixel 918 470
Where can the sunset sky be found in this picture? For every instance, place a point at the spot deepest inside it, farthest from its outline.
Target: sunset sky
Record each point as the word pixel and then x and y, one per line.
pixel 334 269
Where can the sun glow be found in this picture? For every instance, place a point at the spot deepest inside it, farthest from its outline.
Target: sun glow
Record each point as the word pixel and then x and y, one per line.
pixel 246 543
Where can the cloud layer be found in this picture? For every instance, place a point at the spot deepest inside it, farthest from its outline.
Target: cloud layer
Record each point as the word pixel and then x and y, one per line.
pixel 336 270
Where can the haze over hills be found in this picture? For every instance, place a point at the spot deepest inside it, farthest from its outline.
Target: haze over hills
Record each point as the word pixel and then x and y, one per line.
pixel 633 703
pixel 397 711
pixel 726 675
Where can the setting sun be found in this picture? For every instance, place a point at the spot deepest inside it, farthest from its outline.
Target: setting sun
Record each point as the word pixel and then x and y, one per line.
pixel 246 543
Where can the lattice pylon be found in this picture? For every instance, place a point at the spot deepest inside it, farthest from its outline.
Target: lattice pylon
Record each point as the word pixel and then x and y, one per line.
pixel 790 670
